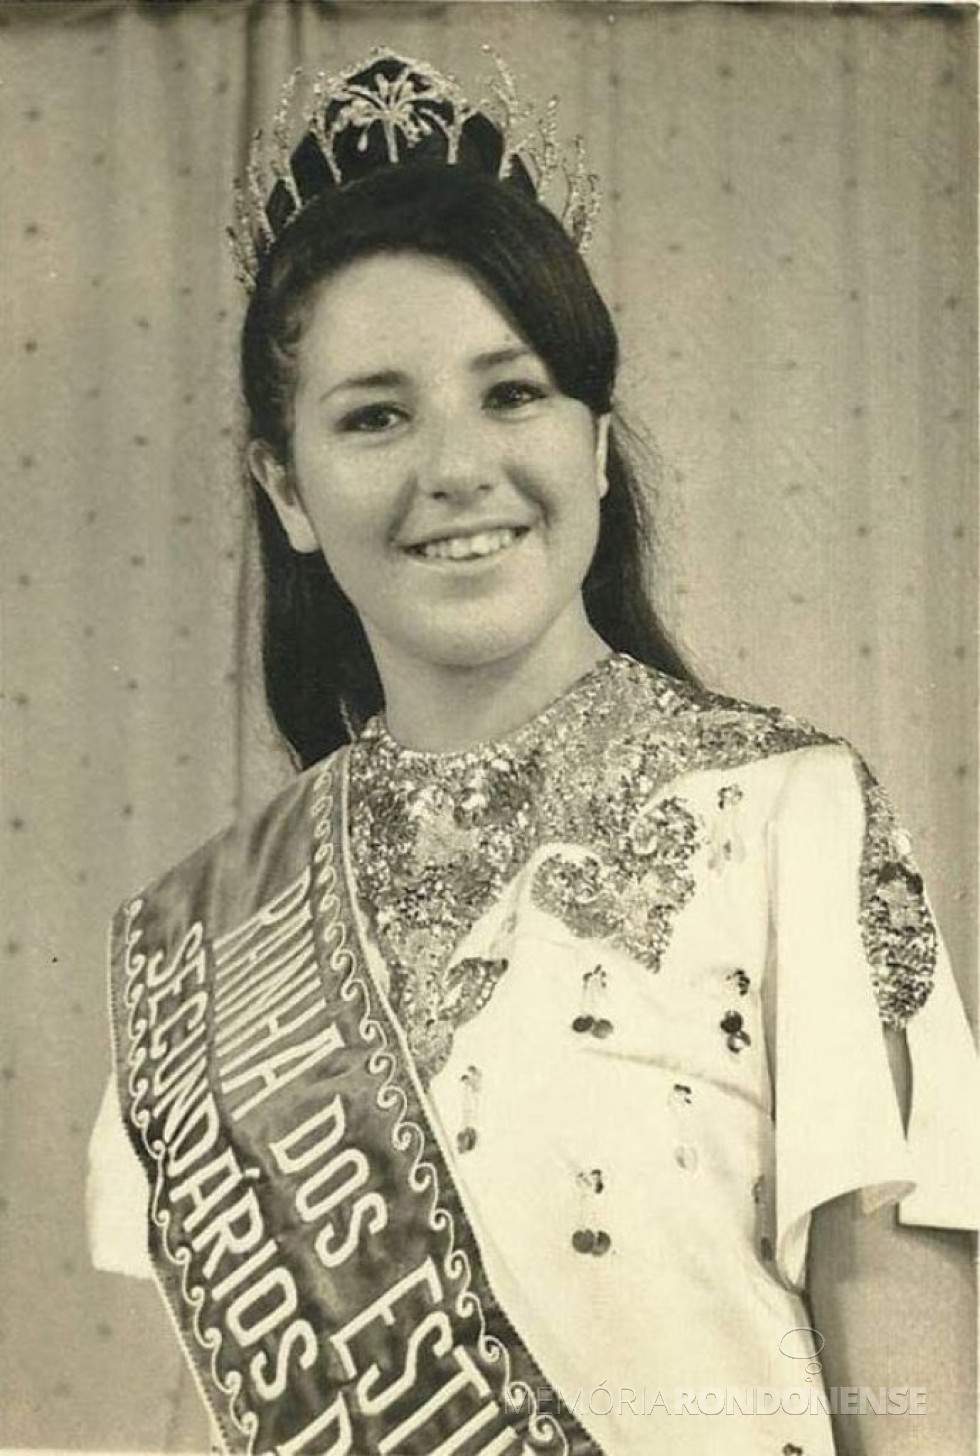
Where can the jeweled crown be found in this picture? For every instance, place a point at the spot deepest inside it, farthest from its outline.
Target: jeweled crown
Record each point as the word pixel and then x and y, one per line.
pixel 377 113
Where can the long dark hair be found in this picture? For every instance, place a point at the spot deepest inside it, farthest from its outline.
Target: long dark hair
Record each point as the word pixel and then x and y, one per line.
pixel 320 676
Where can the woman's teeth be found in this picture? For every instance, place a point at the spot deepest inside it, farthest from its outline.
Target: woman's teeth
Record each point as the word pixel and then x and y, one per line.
pixel 467 548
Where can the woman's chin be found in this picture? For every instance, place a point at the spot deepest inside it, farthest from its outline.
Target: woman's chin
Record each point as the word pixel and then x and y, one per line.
pixel 481 648
pixel 492 641
pixel 471 641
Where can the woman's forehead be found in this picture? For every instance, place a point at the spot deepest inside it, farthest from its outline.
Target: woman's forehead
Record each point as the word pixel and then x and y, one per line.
pixel 395 310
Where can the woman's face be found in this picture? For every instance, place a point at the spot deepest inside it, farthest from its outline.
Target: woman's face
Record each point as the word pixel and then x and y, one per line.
pixel 452 489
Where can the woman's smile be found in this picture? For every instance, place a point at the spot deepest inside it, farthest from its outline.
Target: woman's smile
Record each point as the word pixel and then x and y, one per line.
pixel 484 543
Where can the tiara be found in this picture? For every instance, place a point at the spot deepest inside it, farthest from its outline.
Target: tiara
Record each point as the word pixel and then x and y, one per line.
pixel 389 104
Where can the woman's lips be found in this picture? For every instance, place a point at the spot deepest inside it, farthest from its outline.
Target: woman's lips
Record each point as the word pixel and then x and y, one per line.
pixel 473 546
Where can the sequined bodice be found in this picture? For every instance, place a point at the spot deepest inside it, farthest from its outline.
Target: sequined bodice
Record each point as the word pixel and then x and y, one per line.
pixel 582 790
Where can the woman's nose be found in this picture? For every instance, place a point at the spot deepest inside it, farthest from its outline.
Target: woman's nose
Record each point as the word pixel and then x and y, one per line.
pixel 456 463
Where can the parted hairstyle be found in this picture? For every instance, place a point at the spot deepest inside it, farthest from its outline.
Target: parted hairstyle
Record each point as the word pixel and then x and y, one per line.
pixel 320 676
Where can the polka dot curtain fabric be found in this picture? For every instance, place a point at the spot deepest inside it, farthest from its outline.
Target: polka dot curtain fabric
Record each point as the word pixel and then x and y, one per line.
pixel 788 243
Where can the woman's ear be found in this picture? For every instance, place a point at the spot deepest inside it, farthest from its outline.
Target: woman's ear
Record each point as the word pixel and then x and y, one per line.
pixel 602 453
pixel 274 479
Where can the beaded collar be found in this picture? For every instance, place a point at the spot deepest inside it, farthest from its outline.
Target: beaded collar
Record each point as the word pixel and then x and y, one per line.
pixel 576 698
pixel 437 837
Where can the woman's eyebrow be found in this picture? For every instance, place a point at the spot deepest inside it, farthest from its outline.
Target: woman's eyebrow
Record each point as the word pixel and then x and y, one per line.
pixel 494 357
pixel 380 379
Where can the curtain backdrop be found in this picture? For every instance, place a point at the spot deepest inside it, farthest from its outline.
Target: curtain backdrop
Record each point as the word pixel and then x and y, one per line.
pixel 788 243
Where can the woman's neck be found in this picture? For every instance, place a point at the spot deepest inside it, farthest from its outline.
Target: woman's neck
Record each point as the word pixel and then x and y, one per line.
pixel 439 708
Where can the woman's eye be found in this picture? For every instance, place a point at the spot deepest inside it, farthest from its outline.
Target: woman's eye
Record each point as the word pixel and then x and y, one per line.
pixel 372 419
pixel 512 393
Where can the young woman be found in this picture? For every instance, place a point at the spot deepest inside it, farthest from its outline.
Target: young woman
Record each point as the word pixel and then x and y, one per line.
pixel 486 1085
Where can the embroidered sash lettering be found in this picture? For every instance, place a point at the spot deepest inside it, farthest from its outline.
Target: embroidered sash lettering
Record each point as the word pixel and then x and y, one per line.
pixel 304 1225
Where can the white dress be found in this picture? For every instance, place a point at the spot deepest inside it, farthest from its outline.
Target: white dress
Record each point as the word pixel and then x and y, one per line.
pixel 642 953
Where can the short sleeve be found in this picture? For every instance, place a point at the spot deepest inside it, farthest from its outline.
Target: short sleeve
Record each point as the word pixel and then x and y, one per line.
pixel 856 949
pixel 116 1196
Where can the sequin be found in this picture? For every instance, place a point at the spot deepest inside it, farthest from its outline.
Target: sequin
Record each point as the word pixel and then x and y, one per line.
pixel 736 1037
pixel 472 1080
pixel 436 838
pixel 472 1084
pixel 763 1220
pixel 591 1241
pixel 466 1139
pixel 594 986
pixel 726 846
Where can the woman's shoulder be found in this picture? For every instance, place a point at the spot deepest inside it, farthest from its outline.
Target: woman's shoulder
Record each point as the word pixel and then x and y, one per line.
pixel 788 771
pixel 234 867
pixel 687 727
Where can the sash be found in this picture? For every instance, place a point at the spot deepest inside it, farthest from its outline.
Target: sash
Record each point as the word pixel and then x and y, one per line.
pixel 305 1230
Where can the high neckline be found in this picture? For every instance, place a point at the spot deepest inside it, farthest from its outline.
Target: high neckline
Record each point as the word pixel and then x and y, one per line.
pixel 377 732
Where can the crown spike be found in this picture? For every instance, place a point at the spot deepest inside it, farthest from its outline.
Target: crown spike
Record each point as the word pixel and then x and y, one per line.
pixel 323 89
pixel 548 158
pixel 245 268
pixel 502 99
pixel 280 137
pixel 246 256
pixel 582 198
pixel 256 191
